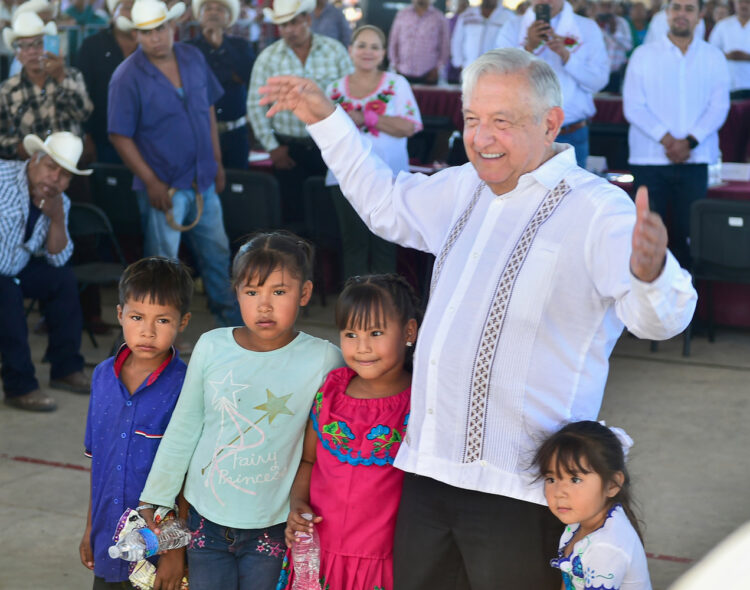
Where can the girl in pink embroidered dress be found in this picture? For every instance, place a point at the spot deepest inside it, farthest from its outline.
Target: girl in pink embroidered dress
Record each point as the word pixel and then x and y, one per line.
pixel 346 478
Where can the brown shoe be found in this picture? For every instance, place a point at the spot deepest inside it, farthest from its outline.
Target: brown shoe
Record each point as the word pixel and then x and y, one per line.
pixel 76 382
pixel 34 401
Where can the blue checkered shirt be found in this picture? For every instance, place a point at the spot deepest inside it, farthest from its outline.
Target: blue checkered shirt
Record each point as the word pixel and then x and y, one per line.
pixel 14 212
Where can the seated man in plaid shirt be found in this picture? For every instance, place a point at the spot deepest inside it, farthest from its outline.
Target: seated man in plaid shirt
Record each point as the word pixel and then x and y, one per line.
pixel 45 97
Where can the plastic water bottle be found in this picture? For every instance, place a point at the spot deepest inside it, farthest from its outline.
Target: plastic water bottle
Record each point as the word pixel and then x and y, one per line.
pixel 142 543
pixel 306 558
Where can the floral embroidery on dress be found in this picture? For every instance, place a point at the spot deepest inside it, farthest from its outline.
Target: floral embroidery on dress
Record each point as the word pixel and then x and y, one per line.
pixel 379 434
pixel 377 102
pixel 340 433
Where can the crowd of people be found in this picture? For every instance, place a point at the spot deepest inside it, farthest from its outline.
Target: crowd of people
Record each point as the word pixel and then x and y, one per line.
pixel 539 265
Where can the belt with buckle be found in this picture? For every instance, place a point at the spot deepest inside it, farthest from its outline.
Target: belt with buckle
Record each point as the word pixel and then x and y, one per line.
pixel 224 126
pixel 573 127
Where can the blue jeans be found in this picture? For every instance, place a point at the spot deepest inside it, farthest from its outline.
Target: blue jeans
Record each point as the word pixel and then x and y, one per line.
pixel 208 242
pixel 672 189
pixel 579 139
pixel 233 559
pixel 57 289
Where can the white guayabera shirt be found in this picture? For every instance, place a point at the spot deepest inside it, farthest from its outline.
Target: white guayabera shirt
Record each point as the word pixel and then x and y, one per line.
pixel 531 289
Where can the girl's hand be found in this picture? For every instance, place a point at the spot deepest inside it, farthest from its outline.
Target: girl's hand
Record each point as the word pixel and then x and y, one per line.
pixel 296 523
pixel 84 549
pixel 170 570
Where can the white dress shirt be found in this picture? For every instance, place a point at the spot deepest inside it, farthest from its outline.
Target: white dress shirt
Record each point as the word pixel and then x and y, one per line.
pixel 531 291
pixel 475 35
pixel 587 69
pixel 729 35
pixel 683 94
pixel 659 27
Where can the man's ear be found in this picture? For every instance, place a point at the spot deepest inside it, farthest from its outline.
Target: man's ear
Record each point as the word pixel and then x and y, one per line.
pixel 553 120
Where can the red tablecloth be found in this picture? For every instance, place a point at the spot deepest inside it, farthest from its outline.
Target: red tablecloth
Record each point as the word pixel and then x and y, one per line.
pixel 445 101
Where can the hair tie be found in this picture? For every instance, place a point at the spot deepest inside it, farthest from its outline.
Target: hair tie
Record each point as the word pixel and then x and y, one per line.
pixel 625 441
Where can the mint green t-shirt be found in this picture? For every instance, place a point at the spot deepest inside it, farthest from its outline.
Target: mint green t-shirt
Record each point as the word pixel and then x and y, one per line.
pixel 237 428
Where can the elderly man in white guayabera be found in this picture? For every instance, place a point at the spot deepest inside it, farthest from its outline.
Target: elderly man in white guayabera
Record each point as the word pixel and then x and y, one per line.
pixel 539 265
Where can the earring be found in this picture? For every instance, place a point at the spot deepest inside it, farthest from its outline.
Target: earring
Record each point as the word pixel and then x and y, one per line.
pixel 409 344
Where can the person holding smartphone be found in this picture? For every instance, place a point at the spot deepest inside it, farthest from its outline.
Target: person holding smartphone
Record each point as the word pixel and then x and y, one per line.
pixel 574 47
pixel 46 96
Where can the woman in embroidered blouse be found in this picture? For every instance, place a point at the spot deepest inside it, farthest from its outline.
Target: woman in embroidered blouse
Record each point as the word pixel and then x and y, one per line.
pixel 382 105
pixel 587 487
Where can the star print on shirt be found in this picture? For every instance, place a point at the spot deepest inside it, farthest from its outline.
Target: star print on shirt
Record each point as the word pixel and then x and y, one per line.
pixel 222 391
pixel 274 406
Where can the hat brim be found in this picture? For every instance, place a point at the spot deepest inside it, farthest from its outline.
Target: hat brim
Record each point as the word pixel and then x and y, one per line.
pixel 125 24
pixel 33 144
pixel 10 36
pixel 304 7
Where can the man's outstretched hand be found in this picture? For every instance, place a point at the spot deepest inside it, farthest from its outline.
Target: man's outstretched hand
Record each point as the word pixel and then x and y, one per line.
pixel 301 96
pixel 649 240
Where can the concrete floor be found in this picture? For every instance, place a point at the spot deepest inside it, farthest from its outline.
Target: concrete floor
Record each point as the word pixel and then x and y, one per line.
pixel 689 463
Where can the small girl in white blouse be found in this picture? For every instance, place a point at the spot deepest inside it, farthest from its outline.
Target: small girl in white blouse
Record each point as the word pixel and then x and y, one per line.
pixel 588 488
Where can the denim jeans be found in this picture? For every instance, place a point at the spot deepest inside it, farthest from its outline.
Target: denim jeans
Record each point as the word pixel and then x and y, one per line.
pixel 208 242
pixel 225 558
pixel 672 189
pixel 579 139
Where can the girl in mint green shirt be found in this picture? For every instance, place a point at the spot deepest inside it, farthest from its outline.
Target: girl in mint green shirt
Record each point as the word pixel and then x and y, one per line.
pixel 235 437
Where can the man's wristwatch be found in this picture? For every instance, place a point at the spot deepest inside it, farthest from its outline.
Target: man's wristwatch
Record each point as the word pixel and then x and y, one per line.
pixel 692 142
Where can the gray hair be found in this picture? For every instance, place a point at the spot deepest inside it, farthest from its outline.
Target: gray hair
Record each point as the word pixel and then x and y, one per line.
pixel 542 79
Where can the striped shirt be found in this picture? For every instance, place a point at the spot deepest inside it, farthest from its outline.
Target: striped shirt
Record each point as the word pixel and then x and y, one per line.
pixel 26 108
pixel 14 212
pixel 328 61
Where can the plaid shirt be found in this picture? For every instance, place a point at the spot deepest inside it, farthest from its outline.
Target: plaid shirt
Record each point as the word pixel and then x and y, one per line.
pixel 328 61
pixel 14 212
pixel 25 108
pixel 418 44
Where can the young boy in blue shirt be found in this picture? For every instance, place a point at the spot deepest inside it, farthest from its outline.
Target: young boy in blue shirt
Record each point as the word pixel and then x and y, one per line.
pixel 133 395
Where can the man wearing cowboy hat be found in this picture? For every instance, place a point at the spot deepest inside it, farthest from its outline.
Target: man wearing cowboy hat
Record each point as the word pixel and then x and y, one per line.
pixel 34 247
pixel 98 58
pixel 46 96
pixel 162 123
pixel 231 60
pixel 299 52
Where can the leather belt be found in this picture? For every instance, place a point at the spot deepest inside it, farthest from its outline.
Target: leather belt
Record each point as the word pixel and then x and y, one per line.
pixel 224 126
pixel 573 127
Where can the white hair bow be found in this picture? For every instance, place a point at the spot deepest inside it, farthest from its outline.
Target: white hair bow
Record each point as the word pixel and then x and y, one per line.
pixel 622 436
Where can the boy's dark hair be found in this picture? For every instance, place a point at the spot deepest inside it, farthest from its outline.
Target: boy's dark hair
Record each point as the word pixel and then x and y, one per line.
pixel 365 301
pixel 264 252
pixel 588 443
pixel 164 281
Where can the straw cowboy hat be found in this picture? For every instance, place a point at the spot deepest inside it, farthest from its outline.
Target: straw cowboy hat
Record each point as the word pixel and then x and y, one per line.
pixel 27 24
pixel 63 147
pixel 232 5
pixel 35 6
pixel 285 10
pixel 149 14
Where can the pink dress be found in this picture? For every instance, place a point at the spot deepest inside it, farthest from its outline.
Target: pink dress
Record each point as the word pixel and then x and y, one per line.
pixel 354 486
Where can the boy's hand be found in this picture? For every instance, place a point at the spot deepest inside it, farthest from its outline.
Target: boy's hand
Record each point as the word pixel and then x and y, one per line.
pixel 295 522
pixel 170 570
pixel 84 549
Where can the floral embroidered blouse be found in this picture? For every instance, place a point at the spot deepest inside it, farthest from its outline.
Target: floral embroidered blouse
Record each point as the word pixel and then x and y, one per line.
pixel 393 97
pixel 610 558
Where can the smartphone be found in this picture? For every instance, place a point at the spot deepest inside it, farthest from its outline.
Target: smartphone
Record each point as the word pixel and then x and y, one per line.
pixel 52 44
pixel 542 12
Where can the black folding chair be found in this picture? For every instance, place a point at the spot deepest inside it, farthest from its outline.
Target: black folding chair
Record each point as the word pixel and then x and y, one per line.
pixel 111 187
pixel 89 222
pixel 720 249
pixel 251 201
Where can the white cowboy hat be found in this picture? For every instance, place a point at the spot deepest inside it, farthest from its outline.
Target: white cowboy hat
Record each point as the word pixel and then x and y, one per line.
pixel 27 24
pixel 63 147
pixel 232 5
pixel 149 14
pixel 285 10
pixel 35 6
pixel 111 5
